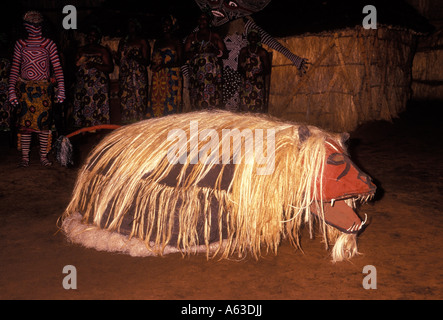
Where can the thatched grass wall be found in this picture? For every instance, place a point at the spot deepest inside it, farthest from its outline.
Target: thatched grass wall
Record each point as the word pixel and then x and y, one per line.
pixel 427 68
pixel 357 75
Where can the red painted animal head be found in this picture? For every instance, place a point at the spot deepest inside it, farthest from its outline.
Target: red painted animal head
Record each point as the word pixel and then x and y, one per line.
pixel 342 180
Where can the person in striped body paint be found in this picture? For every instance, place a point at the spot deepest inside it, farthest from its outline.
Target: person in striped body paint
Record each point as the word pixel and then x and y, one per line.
pixel 30 86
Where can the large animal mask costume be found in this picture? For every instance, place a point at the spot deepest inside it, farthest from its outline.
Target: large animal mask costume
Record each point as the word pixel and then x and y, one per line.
pixel 216 182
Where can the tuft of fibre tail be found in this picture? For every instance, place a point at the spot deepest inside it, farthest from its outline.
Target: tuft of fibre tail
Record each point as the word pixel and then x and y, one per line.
pixel 64 151
pixel 63 146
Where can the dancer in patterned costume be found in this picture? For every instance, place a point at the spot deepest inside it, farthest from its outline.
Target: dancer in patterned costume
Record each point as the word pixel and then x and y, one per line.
pixel 91 97
pixel 166 86
pixel 133 56
pixel 30 86
pixel 234 15
pixel 205 49
pixel 254 65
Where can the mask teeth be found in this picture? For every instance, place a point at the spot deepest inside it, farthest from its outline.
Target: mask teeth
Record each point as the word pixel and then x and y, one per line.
pixel 366 219
pixel 357 227
pixel 351 228
pixel 365 197
pixel 332 202
pixel 350 202
pixel 364 222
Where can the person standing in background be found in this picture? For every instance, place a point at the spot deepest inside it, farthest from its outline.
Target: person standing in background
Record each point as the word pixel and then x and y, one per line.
pixel 204 48
pixel 233 21
pixel 166 85
pixel 91 97
pixel 133 56
pixel 30 86
pixel 254 65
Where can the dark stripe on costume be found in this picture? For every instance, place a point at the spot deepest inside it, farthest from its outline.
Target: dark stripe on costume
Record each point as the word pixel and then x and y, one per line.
pixel 129 220
pixel 207 181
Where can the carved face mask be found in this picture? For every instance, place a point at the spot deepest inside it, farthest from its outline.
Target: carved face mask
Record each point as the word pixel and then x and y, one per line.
pixel 343 180
pixel 227 10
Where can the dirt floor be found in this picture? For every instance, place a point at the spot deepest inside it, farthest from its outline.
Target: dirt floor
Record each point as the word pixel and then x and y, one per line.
pixel 404 240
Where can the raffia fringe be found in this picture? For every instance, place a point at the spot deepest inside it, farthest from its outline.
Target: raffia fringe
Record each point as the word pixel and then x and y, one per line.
pixel 122 175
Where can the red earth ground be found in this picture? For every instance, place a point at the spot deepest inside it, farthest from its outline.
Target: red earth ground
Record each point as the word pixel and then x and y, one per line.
pixel 403 241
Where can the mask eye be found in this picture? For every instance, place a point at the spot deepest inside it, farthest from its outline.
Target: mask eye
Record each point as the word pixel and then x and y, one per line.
pixel 336 159
pixel 232 4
